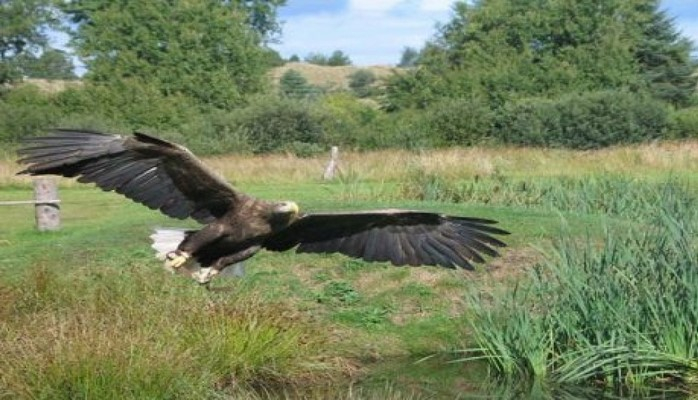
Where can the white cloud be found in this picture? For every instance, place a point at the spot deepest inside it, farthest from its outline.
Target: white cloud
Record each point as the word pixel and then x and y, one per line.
pixel 436 5
pixel 373 5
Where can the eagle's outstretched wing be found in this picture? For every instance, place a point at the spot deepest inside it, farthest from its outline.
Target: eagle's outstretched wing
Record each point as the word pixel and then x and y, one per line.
pixel 154 172
pixel 399 236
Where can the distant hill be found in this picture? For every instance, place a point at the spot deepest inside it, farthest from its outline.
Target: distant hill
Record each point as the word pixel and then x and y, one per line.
pixel 329 77
pixel 319 75
pixel 51 85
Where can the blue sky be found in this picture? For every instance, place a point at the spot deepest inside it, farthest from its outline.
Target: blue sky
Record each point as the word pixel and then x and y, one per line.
pixel 374 32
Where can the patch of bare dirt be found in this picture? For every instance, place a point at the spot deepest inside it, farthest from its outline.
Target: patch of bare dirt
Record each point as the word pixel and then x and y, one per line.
pixel 449 287
pixel 512 264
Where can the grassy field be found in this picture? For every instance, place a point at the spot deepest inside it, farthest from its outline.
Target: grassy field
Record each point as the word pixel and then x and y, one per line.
pixel 87 312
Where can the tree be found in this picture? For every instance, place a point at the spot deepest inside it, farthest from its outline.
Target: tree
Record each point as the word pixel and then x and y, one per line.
pixel 409 57
pixel 360 82
pixel 316 59
pixel 338 58
pixel 272 58
pixel 204 49
pixel 261 16
pixel 51 64
pixel 507 50
pixel 21 32
pixel 665 58
pixel 294 58
pixel 535 47
pixel 293 84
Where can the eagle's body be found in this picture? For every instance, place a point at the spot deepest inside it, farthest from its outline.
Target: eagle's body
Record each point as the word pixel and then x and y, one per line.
pixel 167 177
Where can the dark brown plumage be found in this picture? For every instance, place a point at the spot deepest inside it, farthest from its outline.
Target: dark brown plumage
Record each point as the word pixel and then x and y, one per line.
pixel 168 177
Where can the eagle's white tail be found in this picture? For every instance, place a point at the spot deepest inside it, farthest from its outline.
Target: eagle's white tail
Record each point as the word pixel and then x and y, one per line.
pixel 165 241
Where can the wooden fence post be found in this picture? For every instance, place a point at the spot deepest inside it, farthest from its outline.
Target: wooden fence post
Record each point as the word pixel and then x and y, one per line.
pixel 332 166
pixel 46 204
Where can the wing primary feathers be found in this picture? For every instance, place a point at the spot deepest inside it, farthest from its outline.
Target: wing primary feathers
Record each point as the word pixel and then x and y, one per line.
pixel 453 257
pixel 408 249
pixel 478 246
pixel 421 257
pixel 47 163
pixel 120 176
pixel 97 167
pixel 159 174
pixel 48 152
pixel 372 245
pixel 471 233
pixel 468 246
pixel 487 229
pixel 462 250
pixel 437 257
pixel 393 247
pixel 402 237
pixel 153 189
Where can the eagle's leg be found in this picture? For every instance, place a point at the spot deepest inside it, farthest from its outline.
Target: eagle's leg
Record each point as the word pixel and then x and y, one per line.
pixel 192 243
pixel 205 275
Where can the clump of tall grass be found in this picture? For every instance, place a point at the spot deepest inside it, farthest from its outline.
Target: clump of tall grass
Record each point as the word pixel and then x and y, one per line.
pixel 620 196
pixel 620 313
pixel 99 333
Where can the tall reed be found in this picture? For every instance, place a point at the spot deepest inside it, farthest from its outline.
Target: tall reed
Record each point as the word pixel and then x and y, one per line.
pixel 619 196
pixel 624 312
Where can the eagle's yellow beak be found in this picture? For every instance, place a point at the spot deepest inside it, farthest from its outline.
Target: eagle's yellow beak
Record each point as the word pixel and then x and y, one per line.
pixel 289 207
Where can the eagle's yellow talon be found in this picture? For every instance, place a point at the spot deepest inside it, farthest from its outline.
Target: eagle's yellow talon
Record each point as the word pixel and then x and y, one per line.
pixel 176 259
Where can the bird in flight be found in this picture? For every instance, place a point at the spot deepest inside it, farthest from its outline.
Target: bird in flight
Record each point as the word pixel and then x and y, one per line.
pixel 167 177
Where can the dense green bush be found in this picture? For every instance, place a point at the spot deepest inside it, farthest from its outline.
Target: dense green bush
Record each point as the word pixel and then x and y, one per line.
pixel 404 130
pixel 293 84
pixel 25 111
pixel 684 123
pixel 459 122
pixel 92 121
pixel 213 132
pixel 349 121
pixel 136 104
pixel 449 122
pixel 417 88
pixel 582 121
pixel 360 82
pixel 270 123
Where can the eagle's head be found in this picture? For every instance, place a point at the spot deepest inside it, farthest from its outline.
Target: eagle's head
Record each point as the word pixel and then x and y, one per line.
pixel 284 212
pixel 286 208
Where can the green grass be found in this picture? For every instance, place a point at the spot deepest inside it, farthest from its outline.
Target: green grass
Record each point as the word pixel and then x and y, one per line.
pixel 131 332
pixel 118 317
pixel 88 312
